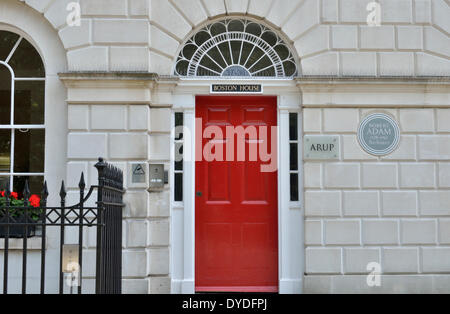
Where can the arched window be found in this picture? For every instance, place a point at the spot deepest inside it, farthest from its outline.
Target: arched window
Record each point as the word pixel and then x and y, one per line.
pixel 22 104
pixel 236 48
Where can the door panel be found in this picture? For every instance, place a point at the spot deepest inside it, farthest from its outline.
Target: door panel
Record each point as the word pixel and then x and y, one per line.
pixel 236 212
pixel 219 183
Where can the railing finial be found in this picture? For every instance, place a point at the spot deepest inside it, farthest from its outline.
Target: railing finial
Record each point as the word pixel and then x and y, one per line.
pixel 44 192
pixel 26 191
pixel 101 165
pixel 82 184
pixel 7 192
pixel 63 192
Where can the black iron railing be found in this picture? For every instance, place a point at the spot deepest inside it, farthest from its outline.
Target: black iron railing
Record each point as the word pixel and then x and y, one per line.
pixel 106 217
pixel 109 237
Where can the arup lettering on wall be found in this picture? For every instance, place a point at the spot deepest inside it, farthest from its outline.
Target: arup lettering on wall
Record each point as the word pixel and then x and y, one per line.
pixel 379 134
pixel 321 147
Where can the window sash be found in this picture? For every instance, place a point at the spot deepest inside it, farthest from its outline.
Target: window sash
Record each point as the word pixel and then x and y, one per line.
pixel 178 174
pixel 12 126
pixel 294 142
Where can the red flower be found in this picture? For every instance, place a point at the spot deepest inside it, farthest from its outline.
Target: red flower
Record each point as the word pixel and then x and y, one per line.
pixel 35 200
pixel 13 194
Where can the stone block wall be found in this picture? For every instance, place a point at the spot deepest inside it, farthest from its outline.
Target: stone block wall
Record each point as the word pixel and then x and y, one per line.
pixel 331 37
pixel 125 134
pixel 393 210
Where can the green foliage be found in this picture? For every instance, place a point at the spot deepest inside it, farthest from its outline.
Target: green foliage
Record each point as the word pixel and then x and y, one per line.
pixel 18 209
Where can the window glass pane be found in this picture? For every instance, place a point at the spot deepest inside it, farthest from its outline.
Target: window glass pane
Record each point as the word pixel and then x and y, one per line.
pixel 294 187
pixel 290 69
pixel 266 72
pixel 179 122
pixel 179 156
pixel 5 95
pixel 26 61
pixel 261 64
pixel 29 102
pixel 218 28
pixel 255 55
pixel 236 50
pixel 4 183
pixel 29 150
pixel 294 156
pixel 270 37
pixel 7 42
pixel 179 119
pixel 293 126
pixel 236 26
pixel 208 63
pixel 236 47
pixel 5 150
pixel 214 54
pixel 225 50
pixel 246 50
pixel 35 184
pixel 178 187
pixel 182 67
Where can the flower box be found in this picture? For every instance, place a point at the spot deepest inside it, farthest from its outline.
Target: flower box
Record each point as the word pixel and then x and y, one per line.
pixel 17 217
pixel 16 230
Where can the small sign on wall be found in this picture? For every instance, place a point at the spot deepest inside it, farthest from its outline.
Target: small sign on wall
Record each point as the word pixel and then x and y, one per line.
pixel 156 173
pixel 236 89
pixel 318 147
pixel 70 258
pixel 379 134
pixel 138 173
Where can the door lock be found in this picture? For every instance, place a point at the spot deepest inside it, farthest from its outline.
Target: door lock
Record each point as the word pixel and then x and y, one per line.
pixel 199 194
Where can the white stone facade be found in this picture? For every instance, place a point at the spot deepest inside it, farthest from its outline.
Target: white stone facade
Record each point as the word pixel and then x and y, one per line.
pixel 111 79
pixel 391 210
pixel 331 37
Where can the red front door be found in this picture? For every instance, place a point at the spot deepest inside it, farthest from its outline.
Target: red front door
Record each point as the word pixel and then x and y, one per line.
pixel 236 227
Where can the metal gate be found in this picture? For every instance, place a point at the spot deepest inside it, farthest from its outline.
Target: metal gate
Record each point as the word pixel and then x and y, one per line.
pixel 106 217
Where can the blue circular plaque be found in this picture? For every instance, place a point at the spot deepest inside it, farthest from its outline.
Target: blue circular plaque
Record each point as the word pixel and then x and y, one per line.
pixel 379 134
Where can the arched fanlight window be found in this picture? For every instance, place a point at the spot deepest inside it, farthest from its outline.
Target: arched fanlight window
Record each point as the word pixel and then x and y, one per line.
pixel 22 104
pixel 236 48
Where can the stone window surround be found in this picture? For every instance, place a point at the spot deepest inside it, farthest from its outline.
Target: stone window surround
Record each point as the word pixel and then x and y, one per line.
pixel 54 58
pixel 14 126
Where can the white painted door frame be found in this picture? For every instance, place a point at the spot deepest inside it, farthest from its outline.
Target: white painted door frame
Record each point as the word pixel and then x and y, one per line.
pixel 290 214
